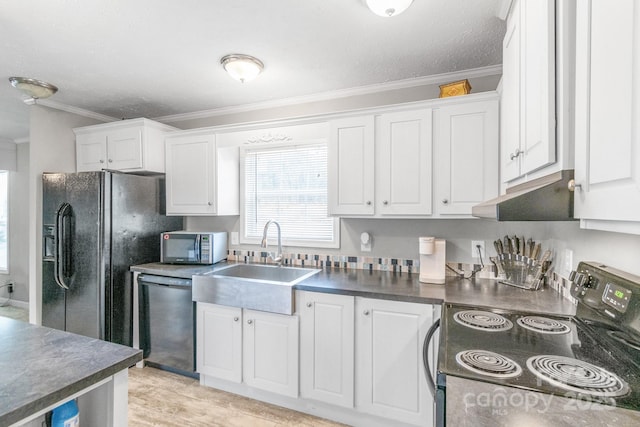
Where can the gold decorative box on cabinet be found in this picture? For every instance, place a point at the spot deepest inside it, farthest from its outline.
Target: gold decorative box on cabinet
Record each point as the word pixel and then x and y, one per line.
pixel 461 87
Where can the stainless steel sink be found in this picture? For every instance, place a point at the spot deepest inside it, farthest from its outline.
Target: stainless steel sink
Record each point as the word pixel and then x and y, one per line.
pixel 254 286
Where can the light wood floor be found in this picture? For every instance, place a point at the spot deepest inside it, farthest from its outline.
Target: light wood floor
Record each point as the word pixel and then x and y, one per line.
pixel 160 398
pixel 14 312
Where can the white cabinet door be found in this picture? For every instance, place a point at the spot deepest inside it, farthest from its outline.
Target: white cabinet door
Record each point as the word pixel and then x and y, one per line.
pixel 201 178
pixel 351 166
pixel 528 110
pixel 270 352
pixel 510 98
pixel 219 341
pixel 404 163
pixel 124 149
pixel 190 177
pixel 607 135
pixel 326 347
pixel 91 152
pixel 466 146
pixel 538 77
pixel 390 377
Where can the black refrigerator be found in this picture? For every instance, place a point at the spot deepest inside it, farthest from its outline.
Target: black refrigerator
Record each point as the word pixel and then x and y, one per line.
pixel 95 226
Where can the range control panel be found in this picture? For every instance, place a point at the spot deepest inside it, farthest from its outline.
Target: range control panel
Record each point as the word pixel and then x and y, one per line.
pixel 617 297
pixel 604 288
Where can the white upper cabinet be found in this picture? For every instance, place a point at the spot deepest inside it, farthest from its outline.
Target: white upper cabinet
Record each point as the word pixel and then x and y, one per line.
pixel 135 145
pixel 202 178
pixel 607 133
pixel 528 99
pixel 466 148
pixel 381 165
pixel 430 162
pixel 351 164
pixel 403 163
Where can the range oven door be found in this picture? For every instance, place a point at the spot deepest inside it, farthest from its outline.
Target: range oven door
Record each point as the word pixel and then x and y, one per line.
pixel 438 392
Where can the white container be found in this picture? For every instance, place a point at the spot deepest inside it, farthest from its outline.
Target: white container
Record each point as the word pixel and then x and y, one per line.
pixel 432 260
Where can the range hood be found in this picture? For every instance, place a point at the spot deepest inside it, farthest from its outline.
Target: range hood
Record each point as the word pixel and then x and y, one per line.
pixel 543 199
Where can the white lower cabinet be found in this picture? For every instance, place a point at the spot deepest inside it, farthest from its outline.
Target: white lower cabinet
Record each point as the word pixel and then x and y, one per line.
pixel 219 341
pixel 257 348
pixel 390 377
pixel 326 347
pixel 357 360
pixel 270 352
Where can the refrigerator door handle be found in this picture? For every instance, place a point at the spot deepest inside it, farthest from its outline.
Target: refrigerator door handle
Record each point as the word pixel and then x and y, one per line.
pixel 62 259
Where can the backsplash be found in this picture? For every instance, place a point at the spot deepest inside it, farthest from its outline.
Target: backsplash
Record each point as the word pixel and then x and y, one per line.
pixel 346 262
pixel 398 265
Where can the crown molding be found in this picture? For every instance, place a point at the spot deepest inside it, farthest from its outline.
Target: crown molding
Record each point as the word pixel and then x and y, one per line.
pixel 503 9
pixel 70 109
pixel 342 93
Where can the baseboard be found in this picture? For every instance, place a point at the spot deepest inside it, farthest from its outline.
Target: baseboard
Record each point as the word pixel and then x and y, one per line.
pixel 19 304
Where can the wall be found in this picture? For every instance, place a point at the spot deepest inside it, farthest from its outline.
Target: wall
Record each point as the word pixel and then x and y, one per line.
pixel 388 97
pixel 398 238
pixel 19 226
pixel 52 149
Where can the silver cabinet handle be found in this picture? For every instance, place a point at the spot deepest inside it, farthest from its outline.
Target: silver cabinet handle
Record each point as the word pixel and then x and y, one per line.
pixel 571 185
pixel 384 202
pixel 309 304
pixel 445 201
pixel 516 154
pixel 368 202
pixel 110 161
pixel 236 318
pixel 249 322
pixel 209 203
pixel 366 312
pixel 101 161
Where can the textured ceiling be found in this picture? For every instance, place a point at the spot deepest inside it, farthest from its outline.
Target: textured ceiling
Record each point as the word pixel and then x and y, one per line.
pixel 153 58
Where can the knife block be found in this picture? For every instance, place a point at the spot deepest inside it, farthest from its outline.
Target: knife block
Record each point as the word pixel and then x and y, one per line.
pixel 523 272
pixel 432 260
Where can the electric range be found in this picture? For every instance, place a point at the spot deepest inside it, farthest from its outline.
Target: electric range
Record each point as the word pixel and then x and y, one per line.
pixel 514 368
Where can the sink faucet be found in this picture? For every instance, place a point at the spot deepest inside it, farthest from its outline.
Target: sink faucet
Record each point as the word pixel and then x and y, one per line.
pixel 277 258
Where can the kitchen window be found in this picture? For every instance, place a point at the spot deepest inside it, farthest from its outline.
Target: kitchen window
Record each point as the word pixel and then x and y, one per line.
pixel 4 231
pixel 287 183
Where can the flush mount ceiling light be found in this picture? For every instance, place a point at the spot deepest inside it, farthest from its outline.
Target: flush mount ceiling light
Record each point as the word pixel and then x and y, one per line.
pixel 388 8
pixel 243 68
pixel 36 89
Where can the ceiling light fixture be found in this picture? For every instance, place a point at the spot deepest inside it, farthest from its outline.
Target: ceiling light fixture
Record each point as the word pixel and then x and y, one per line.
pixel 243 68
pixel 388 8
pixel 36 89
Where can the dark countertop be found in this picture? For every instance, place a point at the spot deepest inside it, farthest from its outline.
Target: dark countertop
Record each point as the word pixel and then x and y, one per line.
pixel 40 366
pixel 404 287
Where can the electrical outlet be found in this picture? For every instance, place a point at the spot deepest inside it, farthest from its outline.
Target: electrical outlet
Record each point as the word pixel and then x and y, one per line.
pixel 474 249
pixel 234 238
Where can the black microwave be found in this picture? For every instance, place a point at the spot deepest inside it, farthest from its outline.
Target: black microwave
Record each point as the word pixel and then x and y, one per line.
pixel 192 247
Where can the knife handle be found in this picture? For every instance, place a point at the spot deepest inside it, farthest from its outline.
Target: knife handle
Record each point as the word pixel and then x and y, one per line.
pixel 536 251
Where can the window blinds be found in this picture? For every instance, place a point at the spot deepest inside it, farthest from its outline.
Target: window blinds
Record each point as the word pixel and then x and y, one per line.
pixel 288 184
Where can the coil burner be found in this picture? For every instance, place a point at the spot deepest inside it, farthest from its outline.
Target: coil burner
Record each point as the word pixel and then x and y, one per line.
pixel 483 320
pixel 544 325
pixel 576 375
pixel 488 363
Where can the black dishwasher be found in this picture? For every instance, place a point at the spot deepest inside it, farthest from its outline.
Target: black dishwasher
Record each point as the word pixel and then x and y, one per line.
pixel 167 323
